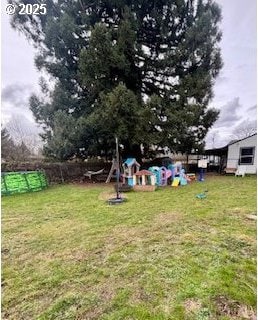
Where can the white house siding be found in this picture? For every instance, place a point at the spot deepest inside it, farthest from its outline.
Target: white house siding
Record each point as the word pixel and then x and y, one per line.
pixel 234 153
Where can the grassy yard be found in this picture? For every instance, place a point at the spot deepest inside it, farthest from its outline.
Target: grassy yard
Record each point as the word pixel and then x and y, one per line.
pixel 66 254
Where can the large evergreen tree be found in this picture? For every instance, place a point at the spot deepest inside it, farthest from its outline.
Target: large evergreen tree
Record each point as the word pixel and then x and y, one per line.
pixel 142 70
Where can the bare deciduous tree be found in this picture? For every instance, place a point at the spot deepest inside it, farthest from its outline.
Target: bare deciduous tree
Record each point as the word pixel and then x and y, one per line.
pixel 245 129
pixel 7 145
pixel 11 151
pixel 22 133
pixel 214 138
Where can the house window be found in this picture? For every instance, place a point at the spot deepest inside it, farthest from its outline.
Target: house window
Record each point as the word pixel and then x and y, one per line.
pixel 246 155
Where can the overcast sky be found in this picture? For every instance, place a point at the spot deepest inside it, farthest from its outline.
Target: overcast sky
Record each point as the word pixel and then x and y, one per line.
pixel 234 90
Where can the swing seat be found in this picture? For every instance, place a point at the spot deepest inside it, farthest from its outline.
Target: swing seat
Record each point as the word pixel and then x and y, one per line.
pixel 90 173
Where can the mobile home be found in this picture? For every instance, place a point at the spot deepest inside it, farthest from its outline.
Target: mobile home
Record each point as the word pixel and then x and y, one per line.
pixel 243 153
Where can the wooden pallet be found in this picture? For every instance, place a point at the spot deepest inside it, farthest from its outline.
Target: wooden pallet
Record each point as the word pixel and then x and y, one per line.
pixel 230 170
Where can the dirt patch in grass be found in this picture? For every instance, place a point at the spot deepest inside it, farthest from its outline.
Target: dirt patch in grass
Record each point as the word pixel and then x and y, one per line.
pixel 108 194
pixel 91 184
pixel 192 306
pixel 93 314
pixel 104 295
pixel 127 232
pixel 65 256
pixel 233 309
pixel 141 295
pixel 166 218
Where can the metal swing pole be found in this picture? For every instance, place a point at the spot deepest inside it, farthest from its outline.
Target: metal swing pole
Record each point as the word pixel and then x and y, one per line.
pixel 118 198
pixel 117 170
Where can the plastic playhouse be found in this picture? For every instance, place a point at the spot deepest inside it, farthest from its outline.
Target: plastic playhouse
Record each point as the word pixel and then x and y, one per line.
pixel 144 180
pixel 162 174
pixel 130 167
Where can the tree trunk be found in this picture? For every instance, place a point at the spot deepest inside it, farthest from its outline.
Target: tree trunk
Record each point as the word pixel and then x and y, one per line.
pixel 187 162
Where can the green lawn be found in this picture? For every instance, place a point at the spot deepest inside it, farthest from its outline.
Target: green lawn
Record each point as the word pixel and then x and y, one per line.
pixel 66 254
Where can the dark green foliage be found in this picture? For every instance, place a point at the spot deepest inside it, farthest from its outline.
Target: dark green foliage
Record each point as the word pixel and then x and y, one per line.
pixel 62 141
pixel 141 70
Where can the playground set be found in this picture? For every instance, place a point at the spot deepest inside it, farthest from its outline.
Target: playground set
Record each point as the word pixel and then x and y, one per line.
pixel 149 180
pixel 131 177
